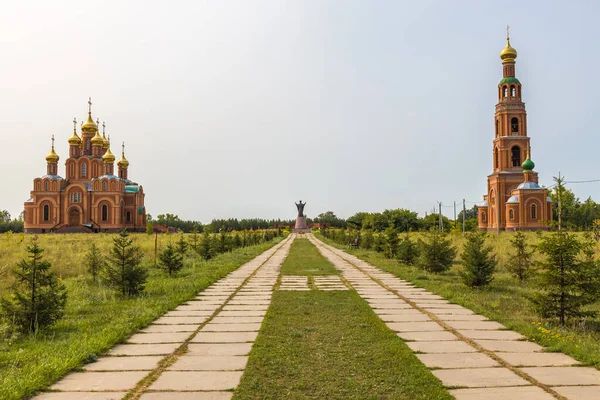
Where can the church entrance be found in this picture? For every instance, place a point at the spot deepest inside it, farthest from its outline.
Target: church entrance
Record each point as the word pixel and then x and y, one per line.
pixel 74 217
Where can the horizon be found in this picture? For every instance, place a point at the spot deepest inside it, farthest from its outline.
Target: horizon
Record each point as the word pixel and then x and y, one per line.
pixel 237 110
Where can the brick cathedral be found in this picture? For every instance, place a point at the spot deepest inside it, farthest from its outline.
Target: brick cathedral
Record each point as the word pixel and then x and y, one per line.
pixel 90 198
pixel 514 200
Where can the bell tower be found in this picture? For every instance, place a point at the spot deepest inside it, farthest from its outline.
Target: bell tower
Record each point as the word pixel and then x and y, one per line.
pixel 511 143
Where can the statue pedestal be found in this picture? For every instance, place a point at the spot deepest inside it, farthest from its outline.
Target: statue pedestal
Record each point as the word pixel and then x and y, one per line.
pixel 301 226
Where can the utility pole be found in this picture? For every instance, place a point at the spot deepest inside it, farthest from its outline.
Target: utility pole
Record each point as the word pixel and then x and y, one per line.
pixel 559 191
pixel 464 212
pixel 454 214
pixel 440 215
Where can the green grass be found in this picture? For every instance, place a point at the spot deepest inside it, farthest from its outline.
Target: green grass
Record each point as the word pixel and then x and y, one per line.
pixel 331 345
pixel 305 259
pixel 96 319
pixel 505 300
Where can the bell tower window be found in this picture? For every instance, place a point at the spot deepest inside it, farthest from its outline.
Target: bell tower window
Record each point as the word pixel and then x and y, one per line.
pixel 514 125
pixel 497 127
pixel 505 92
pixel 513 91
pixel 83 170
pixel 496 165
pixel 515 153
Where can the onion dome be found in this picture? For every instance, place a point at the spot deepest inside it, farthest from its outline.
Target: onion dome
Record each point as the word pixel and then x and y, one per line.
pixel 52 157
pixel 108 157
pixel 123 163
pixel 97 140
pixel 528 165
pixel 75 139
pixel 508 53
pixel 89 126
pixel 106 141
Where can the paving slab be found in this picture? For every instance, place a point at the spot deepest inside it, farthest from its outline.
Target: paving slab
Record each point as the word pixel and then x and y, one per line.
pixel 475 325
pixel 404 318
pixel 197 380
pixel 172 337
pixel 142 363
pixel 378 307
pixel 242 313
pixel 504 393
pixel 187 396
pixel 212 327
pixel 170 328
pixel 99 381
pixel 479 377
pixel 179 320
pixel 427 336
pixel 564 376
pixel 444 306
pixel 238 307
pixel 236 320
pixel 509 346
pixel 450 311
pixel 415 326
pixel 491 335
pixel 209 363
pixel 456 346
pixel 461 317
pixel 187 312
pixel 457 360
pixel 224 337
pixel 538 359
pixel 143 349
pixel 81 396
pixel 579 392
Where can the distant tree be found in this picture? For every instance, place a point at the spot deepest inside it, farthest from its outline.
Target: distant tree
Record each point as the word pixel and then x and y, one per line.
pixel 182 245
pixel 39 299
pixel 329 217
pixel 149 228
pixel 519 261
pixel 4 216
pixel 94 262
pixel 479 264
pixel 391 242
pixel 171 259
pixel 570 277
pixel 408 251
pixel 206 246
pixel 356 221
pixel 432 221
pixel 402 220
pixel 195 240
pixel 123 270
pixel 378 243
pixel 436 252
pixel 366 239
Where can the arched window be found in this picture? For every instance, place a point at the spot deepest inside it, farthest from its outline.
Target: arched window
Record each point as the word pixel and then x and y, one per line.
pixel 104 212
pixel 496 164
pixel 46 186
pixel 519 90
pixel 128 216
pixel 515 156
pixel 514 125
pixel 87 144
pixel 84 170
pixel 513 91
pixel 46 212
pixel 497 127
pixel 104 186
pixel 533 212
pixel 505 91
pixel 511 214
pixel 76 197
pixel 483 216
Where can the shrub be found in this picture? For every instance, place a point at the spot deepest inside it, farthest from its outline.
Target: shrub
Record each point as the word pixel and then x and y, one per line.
pixel 391 242
pixel 436 253
pixel 182 245
pixel 478 261
pixel 570 277
pixel 519 262
pixel 39 299
pixel 171 259
pixel 206 246
pixel 408 251
pixel 123 270
pixel 94 262
pixel 378 243
pixel 367 239
pixel 149 228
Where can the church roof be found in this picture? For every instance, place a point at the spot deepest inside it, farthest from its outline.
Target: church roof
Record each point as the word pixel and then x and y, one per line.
pixel 483 204
pixel 132 189
pixel 509 80
pixel 60 178
pixel 512 200
pixel 529 185
pixel 108 176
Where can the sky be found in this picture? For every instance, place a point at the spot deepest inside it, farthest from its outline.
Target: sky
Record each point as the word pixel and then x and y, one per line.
pixel 240 108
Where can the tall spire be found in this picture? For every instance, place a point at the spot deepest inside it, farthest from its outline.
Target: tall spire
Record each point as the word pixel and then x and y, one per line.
pixel 508 54
pixel 52 157
pixel 90 106
pixel 123 163
pixel 74 140
pixel 89 126
pixel 106 142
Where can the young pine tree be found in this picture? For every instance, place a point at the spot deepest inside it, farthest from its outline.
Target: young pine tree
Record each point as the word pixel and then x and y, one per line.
pixel 182 245
pixel 206 246
pixel 436 253
pixel 391 242
pixel 570 277
pixel 408 251
pixel 195 239
pixel 123 270
pixel 478 261
pixel 94 262
pixel 519 262
pixel 39 299
pixel 171 259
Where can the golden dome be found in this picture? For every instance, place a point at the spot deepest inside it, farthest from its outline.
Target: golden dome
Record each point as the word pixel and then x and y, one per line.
pixel 52 157
pixel 123 163
pixel 508 53
pixel 97 140
pixel 106 141
pixel 89 125
pixel 108 157
pixel 75 139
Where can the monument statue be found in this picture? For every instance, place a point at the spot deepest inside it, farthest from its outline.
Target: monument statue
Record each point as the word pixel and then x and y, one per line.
pixel 300 208
pixel 301 225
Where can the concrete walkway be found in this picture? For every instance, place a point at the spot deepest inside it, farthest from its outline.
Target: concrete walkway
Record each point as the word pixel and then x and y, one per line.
pixel 464 349
pixel 197 351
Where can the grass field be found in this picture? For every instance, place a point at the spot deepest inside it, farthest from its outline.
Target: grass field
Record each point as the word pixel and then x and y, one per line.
pixel 97 318
pixel 330 345
pixel 310 263
pixel 505 300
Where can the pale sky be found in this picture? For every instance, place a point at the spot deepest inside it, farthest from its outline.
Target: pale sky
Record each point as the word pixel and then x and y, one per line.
pixel 240 108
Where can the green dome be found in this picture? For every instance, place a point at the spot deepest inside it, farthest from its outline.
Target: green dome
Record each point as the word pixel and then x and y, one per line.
pixel 528 165
pixel 509 80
